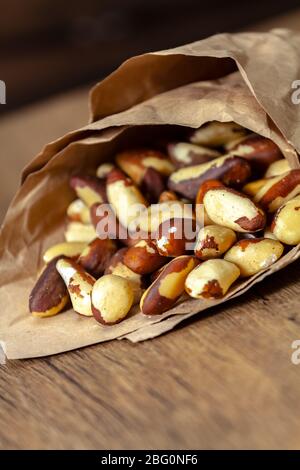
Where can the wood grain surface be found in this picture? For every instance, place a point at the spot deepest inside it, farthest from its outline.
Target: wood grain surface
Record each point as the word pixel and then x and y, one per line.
pixel 224 380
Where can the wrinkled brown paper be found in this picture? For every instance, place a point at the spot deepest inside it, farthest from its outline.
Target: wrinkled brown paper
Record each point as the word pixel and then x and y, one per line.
pixel 246 78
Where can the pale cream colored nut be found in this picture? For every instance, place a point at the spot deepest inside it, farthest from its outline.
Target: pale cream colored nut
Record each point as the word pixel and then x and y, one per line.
pixel 78 232
pixel 211 279
pixel 49 295
pixel 260 151
pixel 104 169
pixel 230 169
pixel 213 241
pixel 252 188
pixel 149 220
pixel 112 298
pixel 166 289
pixel 183 154
pixel 89 189
pixel 278 168
pixel 215 134
pixel 68 249
pixel 176 236
pixel 286 223
pixel 79 284
pixel 118 268
pixel 269 234
pixel 253 255
pixel 124 197
pixel 96 256
pixel 78 211
pixel 143 257
pixel 233 210
pixel 168 196
pixel 136 162
pixel 278 190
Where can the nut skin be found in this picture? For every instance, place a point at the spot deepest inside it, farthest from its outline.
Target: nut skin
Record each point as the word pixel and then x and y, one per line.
pixel 49 295
pixel 78 211
pixel 79 284
pixel 166 289
pixel 277 168
pixel 78 232
pixel 211 279
pixel 286 223
pixel 89 189
pixel 253 255
pixel 143 257
pixel 124 197
pixel 112 299
pixel 97 255
pixel 166 196
pixel 213 241
pixel 234 210
pixel 229 169
pixel 153 184
pixel 278 190
pixel 176 236
pixel 260 151
pixel 209 184
pixel 118 268
pixel 136 162
pixel 68 249
pixel 215 134
pixel 183 154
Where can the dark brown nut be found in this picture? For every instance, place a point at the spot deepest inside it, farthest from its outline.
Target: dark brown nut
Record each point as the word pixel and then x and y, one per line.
pixel 234 210
pixel 213 241
pixel 183 154
pixel 112 298
pixel 231 170
pixel 168 196
pixel 286 223
pixel 260 151
pixel 104 169
pixel 211 279
pixel 89 189
pixel 252 188
pixel 164 292
pixel 78 232
pixel 107 225
pixel 78 211
pixel 68 249
pixel 136 162
pixel 278 168
pixel 215 134
pixel 251 256
pixel 153 185
pixel 278 190
pixel 97 255
pixel 143 257
pixel 49 295
pixel 79 284
pixel 149 220
pixel 125 198
pixel 176 236
pixel 118 268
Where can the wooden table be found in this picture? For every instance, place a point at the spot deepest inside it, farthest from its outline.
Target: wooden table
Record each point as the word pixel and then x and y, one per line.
pixel 223 380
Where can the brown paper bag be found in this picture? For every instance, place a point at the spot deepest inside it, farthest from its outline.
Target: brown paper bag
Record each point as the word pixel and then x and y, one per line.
pixel 246 78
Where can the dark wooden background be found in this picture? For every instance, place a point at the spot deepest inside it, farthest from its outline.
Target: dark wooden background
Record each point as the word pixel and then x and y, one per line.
pixel 49 46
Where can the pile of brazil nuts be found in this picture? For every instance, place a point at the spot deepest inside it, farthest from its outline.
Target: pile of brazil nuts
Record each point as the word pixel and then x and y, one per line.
pixel 183 219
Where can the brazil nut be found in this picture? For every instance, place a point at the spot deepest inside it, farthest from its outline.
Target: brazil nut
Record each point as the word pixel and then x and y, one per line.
pixel 96 256
pixel 286 222
pixel 278 190
pixel 89 189
pixel 213 241
pixel 215 134
pixel 143 257
pixel 176 236
pixel 183 154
